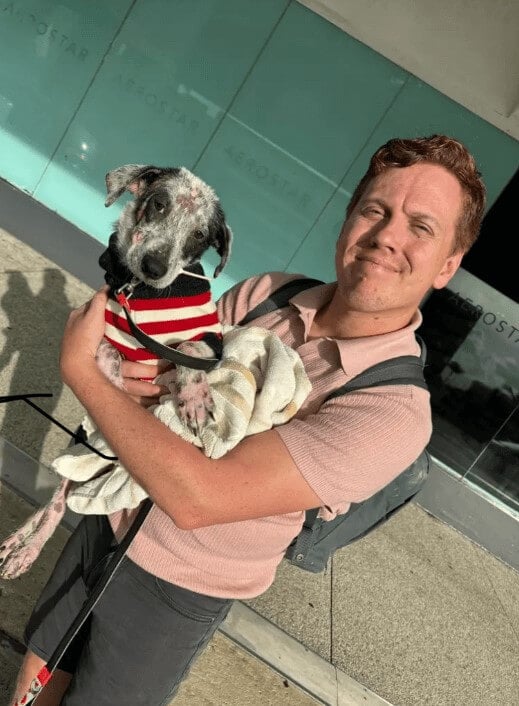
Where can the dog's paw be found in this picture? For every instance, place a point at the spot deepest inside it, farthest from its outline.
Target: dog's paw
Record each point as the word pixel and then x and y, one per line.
pixel 16 559
pixel 194 401
pixel 191 389
pixel 19 551
pixel 22 535
pixel 16 553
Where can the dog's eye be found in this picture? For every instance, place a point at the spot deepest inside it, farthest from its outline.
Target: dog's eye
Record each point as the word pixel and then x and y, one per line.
pixel 199 235
pixel 158 205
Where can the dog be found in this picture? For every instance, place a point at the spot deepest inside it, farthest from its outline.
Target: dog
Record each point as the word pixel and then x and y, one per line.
pixel 152 257
pixel 155 254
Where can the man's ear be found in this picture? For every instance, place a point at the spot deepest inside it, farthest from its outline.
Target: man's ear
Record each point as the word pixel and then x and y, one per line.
pixel 450 267
pixel 132 177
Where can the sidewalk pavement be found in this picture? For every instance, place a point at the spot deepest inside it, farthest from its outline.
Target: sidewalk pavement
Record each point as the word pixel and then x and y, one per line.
pixel 225 674
pixel 415 612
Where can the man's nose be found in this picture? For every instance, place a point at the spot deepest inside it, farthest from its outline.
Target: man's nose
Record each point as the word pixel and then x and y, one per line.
pixel 388 232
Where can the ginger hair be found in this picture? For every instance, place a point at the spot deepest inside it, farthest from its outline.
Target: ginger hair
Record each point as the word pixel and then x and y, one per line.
pixel 446 152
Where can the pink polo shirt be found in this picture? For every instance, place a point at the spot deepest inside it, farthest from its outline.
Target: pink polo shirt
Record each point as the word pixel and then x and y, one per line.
pixel 346 449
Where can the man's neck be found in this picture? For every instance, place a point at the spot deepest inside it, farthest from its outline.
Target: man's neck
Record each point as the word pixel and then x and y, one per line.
pixel 333 320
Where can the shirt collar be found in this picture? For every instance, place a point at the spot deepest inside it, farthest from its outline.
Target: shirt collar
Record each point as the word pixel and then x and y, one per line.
pixel 357 354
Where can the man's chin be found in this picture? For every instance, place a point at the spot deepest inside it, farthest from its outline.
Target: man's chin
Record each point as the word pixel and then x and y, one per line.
pixel 366 298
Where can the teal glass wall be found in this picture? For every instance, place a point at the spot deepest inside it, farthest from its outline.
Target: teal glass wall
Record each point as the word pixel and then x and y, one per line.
pixel 274 106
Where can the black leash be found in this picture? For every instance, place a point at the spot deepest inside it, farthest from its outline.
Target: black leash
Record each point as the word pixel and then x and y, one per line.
pixel 45 674
pixel 76 435
pixel 122 295
pixel 101 584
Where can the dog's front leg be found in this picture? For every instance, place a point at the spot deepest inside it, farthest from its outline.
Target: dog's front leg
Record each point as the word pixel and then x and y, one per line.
pixel 109 361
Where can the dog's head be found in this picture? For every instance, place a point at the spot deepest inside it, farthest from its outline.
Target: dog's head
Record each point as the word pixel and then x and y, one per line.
pixel 173 219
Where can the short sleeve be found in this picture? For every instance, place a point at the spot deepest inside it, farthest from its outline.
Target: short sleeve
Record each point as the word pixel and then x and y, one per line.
pixel 359 442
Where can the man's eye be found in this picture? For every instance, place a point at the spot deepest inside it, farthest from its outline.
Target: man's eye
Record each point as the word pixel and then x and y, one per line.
pixel 372 212
pixel 421 228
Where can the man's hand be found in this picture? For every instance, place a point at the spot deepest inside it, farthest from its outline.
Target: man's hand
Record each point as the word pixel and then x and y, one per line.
pixel 144 392
pixel 83 334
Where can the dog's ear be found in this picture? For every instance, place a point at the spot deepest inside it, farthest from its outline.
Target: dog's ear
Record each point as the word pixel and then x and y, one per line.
pixel 222 243
pixel 133 177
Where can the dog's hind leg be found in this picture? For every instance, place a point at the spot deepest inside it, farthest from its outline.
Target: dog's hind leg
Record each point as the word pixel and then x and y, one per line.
pixel 19 551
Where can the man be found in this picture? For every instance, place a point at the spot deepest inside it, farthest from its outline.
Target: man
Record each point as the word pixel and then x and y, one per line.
pixel 219 528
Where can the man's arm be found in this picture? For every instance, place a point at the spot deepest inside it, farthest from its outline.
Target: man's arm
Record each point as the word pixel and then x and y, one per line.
pixel 258 478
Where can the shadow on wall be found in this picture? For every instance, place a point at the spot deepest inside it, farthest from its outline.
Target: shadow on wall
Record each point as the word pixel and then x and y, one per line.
pixel 33 329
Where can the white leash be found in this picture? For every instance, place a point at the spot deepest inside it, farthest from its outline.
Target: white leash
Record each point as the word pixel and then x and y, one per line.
pixel 192 274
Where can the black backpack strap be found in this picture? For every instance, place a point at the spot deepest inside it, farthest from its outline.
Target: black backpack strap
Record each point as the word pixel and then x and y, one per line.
pixel 280 298
pixel 403 370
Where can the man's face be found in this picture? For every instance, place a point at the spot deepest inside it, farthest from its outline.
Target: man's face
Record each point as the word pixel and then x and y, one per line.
pixel 397 243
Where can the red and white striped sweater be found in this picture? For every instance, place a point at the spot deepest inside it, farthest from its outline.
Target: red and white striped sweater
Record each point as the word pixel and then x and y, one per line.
pixel 183 311
pixel 168 320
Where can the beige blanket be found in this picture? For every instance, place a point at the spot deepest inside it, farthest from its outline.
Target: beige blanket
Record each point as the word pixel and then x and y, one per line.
pixel 259 384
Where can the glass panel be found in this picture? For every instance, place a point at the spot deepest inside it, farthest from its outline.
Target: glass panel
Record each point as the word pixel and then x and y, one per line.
pixel 274 179
pixel 484 259
pixel 271 199
pixel 421 110
pixel 49 52
pixel 315 257
pixel 472 335
pixel 158 97
pixel 317 92
pixel 497 469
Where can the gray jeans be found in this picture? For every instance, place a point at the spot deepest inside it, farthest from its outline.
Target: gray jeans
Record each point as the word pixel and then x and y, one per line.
pixel 142 636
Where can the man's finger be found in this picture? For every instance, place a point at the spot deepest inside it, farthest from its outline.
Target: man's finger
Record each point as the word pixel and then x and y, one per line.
pixel 141 388
pixel 135 370
pixel 100 297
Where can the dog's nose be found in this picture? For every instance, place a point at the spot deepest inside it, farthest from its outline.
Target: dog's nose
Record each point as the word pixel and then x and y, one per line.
pixel 153 266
